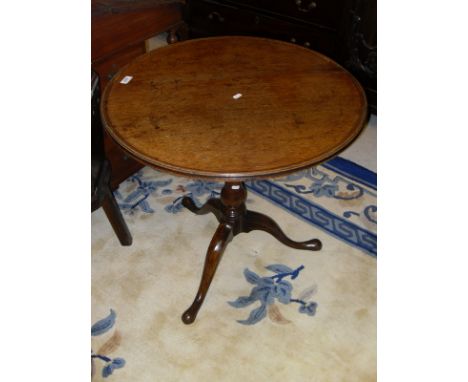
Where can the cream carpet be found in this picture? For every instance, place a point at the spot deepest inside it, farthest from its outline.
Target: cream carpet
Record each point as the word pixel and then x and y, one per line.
pixel 272 313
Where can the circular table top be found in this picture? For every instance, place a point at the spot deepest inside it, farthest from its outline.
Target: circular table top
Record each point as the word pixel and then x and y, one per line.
pixel 233 108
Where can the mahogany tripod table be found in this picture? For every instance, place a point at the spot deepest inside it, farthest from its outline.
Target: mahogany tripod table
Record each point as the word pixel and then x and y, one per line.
pixel 233 109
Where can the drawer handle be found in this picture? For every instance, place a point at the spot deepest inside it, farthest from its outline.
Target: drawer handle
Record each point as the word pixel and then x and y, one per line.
pixel 294 41
pixel 305 8
pixel 212 16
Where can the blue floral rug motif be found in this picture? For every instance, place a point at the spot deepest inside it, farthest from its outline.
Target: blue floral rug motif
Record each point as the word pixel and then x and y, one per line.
pixel 271 289
pixel 313 313
pixel 137 199
pixel 199 191
pixel 109 364
pixel 338 196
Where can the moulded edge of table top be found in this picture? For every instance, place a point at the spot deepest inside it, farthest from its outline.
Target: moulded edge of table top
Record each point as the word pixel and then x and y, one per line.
pixel 239 176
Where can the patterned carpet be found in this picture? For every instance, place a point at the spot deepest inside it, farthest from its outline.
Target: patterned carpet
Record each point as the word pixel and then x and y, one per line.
pixel 272 313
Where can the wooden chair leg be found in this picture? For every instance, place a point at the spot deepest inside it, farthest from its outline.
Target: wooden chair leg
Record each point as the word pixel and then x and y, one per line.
pixel 112 210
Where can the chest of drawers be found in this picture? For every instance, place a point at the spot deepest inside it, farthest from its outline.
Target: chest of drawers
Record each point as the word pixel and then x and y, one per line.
pixel 119 29
pixel 344 30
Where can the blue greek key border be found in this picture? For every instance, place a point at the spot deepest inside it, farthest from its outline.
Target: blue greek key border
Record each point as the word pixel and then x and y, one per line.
pixel 316 215
pixel 352 171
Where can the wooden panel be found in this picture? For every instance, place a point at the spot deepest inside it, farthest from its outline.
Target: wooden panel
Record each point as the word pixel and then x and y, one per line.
pixel 112 32
pixel 108 67
pixel 118 31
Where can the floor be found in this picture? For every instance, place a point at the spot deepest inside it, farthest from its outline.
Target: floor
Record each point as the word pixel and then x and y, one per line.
pixel 364 150
pixel 320 327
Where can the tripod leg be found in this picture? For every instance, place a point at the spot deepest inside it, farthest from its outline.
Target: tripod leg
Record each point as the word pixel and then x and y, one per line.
pixel 221 238
pixel 257 221
pixel 212 205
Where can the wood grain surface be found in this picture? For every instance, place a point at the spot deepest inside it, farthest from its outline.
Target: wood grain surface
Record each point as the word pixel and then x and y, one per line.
pixel 297 109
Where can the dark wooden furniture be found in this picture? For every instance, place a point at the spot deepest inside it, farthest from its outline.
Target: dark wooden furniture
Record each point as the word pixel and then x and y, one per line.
pixel 101 193
pixel 345 30
pixel 119 29
pixel 182 113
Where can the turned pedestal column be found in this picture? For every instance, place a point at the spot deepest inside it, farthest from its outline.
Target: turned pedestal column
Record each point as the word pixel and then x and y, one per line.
pixel 234 218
